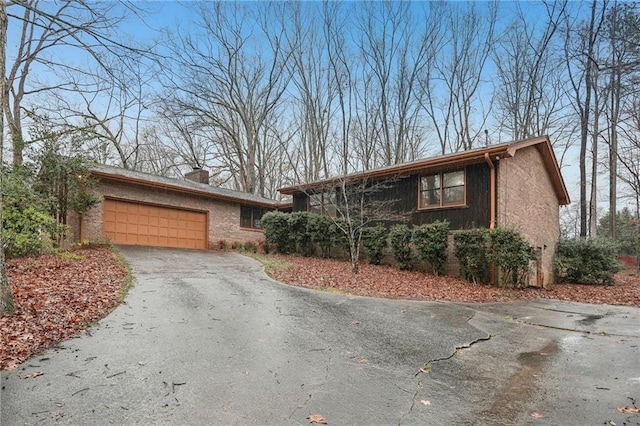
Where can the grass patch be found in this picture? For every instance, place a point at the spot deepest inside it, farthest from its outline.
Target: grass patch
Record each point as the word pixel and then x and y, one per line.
pixel 271 264
pixel 129 279
pixel 68 255
pixel 332 290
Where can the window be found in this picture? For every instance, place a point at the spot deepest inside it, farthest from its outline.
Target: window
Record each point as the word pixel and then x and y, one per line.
pixel 442 189
pixel 323 203
pixel 251 217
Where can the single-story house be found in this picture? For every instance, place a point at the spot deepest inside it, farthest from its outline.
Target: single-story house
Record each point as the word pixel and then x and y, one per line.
pixel 142 209
pixel 517 185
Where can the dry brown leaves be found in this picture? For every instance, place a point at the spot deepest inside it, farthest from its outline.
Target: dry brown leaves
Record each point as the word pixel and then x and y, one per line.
pixel 317 418
pixel 57 298
pixel 386 281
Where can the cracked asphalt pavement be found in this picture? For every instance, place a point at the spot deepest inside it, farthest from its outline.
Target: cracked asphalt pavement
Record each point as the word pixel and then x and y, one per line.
pixel 207 338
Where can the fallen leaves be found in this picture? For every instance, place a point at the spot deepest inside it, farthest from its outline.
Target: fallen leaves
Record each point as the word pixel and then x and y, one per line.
pixel 32 375
pixel 317 418
pixel 57 298
pixel 629 410
pixel 389 282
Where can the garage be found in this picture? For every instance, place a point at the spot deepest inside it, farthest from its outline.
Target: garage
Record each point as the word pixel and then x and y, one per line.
pixel 134 223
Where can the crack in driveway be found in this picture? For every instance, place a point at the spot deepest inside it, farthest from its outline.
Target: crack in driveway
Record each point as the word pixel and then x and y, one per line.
pixel 425 368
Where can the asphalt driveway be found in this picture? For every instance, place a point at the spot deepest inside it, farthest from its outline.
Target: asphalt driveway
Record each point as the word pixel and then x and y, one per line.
pixel 206 338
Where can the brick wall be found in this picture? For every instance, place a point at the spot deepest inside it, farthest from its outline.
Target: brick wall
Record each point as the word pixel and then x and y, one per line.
pixel 528 202
pixel 224 216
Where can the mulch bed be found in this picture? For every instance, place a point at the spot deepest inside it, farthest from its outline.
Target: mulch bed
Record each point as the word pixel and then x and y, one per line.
pixel 386 281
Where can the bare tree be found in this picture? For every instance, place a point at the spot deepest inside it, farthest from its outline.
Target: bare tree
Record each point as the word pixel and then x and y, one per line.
pixel 530 86
pixel 230 78
pixel 353 203
pixel 111 109
pixel 621 64
pixel 393 58
pixel 315 90
pixel 6 296
pixel 580 53
pixel 453 101
pixel 629 151
pixel 44 27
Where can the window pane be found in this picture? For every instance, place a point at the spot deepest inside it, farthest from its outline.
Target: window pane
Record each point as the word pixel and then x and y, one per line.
pixel 453 178
pixel 453 195
pixel 245 222
pixel 430 190
pixel 257 218
pixel 430 198
pixel 430 182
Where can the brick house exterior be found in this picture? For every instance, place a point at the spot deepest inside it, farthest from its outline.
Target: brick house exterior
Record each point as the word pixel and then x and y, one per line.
pixel 213 215
pixel 515 185
pixel 529 191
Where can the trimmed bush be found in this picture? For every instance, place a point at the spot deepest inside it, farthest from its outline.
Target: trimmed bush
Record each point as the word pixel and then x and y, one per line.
pixel 276 231
pixel 430 242
pixel 400 242
pixel 298 222
pixel 590 261
pixel 319 231
pixel 339 239
pixel 470 247
pixel 511 253
pixel 374 240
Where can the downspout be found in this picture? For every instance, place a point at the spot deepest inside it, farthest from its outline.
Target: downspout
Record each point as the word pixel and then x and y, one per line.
pixel 492 184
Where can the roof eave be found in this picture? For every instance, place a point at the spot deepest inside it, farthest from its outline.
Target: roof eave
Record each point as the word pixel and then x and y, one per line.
pixel 441 162
pixel 181 189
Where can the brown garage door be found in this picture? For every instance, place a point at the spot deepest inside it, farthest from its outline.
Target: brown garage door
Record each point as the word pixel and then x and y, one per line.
pixel 126 222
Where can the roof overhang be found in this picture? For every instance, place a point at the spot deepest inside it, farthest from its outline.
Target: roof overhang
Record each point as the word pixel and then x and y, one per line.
pixel 450 161
pixel 115 177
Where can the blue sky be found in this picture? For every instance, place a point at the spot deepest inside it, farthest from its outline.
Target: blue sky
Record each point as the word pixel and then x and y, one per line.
pixel 172 15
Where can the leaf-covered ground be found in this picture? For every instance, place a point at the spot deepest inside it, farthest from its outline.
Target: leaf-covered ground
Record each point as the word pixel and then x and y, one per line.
pixel 386 281
pixel 57 297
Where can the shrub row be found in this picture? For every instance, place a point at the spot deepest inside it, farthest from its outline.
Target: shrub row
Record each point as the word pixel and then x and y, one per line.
pixel 303 233
pixel 311 234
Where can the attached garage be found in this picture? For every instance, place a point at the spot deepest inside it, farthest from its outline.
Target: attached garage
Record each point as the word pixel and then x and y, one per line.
pixel 127 222
pixel 138 208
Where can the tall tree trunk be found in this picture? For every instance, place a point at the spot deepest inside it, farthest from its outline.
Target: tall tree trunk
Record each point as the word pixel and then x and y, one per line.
pixel 613 152
pixel 593 203
pixel 584 120
pixel 6 298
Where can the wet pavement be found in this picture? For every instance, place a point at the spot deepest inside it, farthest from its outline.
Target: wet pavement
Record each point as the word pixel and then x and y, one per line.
pixel 206 338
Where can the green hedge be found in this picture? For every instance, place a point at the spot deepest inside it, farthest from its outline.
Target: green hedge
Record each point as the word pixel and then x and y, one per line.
pixel 509 251
pixel 400 242
pixel 430 242
pixel 276 231
pixel 470 247
pixel 374 240
pixel 586 261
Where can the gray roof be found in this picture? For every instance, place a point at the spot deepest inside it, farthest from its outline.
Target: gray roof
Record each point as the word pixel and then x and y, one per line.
pixel 180 185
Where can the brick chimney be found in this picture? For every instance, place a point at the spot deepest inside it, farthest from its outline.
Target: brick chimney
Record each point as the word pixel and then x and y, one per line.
pixel 198 175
